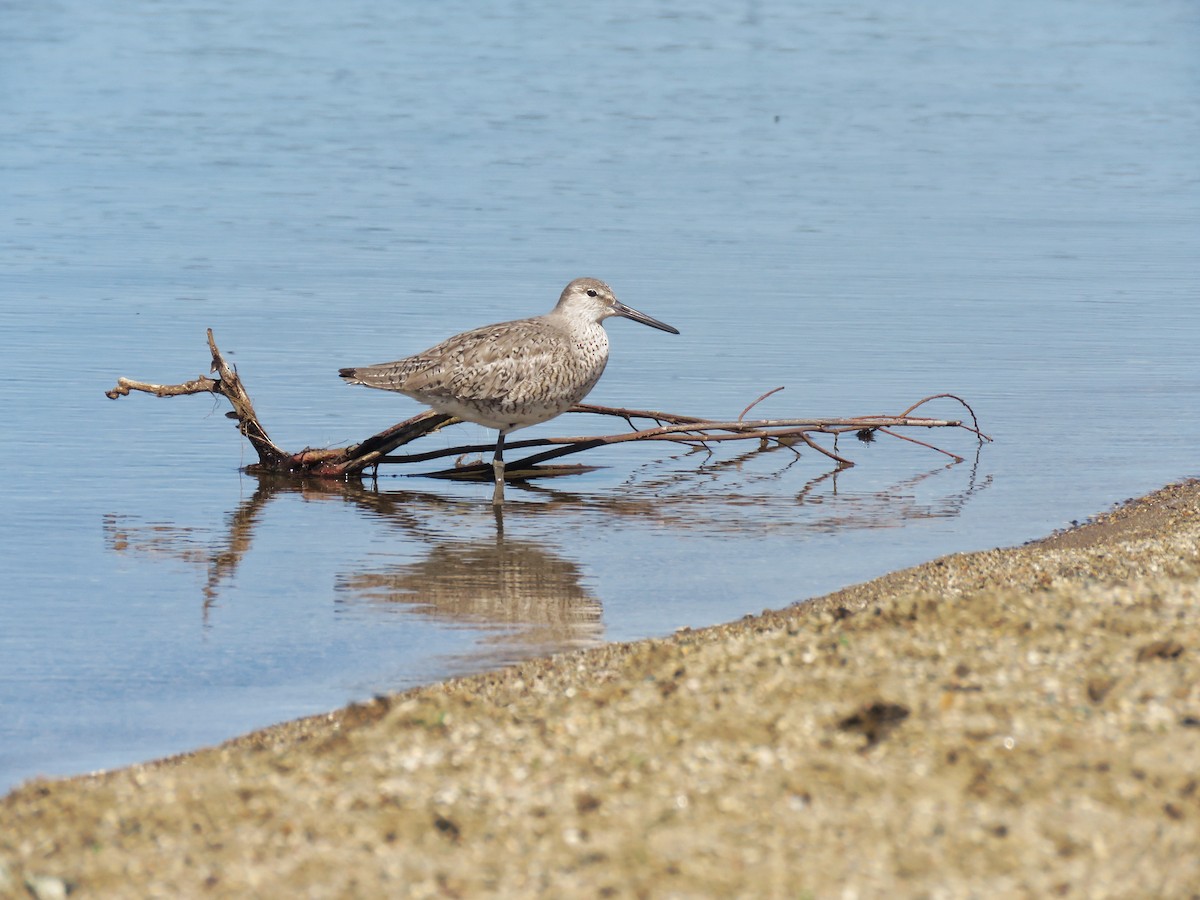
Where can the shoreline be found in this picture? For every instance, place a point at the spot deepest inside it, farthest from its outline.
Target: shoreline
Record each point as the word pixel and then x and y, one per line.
pixel 1021 720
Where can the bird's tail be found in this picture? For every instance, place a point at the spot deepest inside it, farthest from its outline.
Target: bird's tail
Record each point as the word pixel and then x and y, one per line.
pixel 388 376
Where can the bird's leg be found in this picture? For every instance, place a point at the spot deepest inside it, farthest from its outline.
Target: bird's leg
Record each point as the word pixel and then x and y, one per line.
pixel 498 469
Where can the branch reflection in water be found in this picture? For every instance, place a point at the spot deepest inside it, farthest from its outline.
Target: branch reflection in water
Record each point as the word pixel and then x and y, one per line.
pixel 745 493
pixel 531 596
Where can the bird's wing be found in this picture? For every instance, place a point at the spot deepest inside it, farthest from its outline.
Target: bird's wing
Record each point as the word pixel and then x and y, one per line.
pixel 494 363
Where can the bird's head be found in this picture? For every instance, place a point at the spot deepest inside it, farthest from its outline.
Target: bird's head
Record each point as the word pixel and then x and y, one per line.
pixel 592 299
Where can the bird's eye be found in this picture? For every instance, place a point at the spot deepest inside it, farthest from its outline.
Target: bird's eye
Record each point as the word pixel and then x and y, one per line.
pixel 591 292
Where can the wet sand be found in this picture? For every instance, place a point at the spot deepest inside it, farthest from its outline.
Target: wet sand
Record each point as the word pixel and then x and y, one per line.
pixel 1014 722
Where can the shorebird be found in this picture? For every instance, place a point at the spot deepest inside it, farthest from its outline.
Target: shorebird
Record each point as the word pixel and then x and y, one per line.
pixel 512 374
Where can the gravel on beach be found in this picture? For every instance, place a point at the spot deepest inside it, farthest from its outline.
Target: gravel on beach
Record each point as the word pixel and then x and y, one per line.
pixel 1022 721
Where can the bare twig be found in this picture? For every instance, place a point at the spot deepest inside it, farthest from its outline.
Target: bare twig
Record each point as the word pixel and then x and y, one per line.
pixel 905 437
pixel 841 460
pixel 230 387
pixel 200 385
pixel 758 401
pixel 965 404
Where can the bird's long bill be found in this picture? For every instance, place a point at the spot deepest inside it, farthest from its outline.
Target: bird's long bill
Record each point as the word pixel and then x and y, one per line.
pixel 629 312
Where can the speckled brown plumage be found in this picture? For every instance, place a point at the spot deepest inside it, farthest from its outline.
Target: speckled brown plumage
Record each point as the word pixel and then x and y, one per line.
pixel 512 374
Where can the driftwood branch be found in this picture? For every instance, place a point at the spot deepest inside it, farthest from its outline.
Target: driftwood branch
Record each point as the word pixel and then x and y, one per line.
pixel 668 427
pixel 227 385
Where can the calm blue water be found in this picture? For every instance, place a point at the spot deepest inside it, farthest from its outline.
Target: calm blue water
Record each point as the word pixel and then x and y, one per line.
pixel 867 203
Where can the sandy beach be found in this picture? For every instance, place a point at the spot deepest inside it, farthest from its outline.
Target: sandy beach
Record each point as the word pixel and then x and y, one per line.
pixel 1016 722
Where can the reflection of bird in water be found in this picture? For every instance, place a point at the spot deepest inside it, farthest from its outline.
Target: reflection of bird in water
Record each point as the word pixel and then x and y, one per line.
pixel 512 374
pixel 492 583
